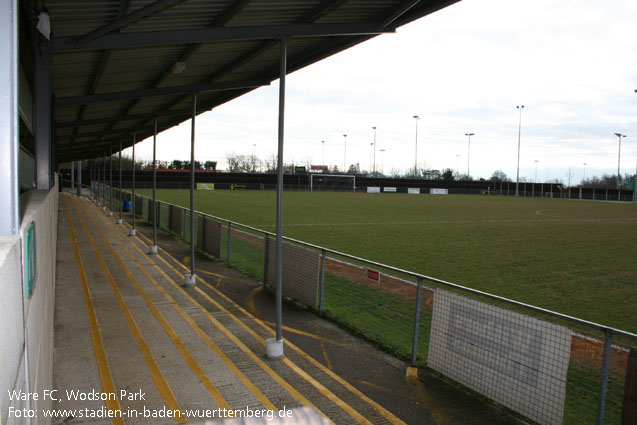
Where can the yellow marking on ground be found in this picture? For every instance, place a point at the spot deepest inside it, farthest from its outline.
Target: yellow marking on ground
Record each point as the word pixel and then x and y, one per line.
pixel 206 272
pixel 186 260
pixel 158 377
pixel 327 393
pixel 250 301
pixel 108 385
pixel 325 356
pixel 222 328
pixel 439 415
pixel 314 336
pixel 258 394
pixel 380 388
pixel 380 409
pixel 192 363
pixel 412 372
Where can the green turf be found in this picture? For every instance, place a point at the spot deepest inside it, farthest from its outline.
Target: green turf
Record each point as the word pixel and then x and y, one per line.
pixel 574 257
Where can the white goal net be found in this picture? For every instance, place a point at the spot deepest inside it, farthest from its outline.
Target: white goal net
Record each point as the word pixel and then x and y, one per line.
pixel 333 182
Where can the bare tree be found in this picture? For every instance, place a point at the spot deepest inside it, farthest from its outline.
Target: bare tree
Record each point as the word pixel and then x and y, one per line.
pixel 499 176
pixel 271 163
pixel 254 163
pixel 232 159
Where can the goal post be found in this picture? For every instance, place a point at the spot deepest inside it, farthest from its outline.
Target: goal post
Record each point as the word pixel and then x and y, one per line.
pixel 334 182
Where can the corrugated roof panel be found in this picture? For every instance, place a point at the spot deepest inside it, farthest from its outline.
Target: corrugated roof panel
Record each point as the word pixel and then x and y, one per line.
pixel 133 69
pixel 265 12
pixel 184 15
pixel 79 17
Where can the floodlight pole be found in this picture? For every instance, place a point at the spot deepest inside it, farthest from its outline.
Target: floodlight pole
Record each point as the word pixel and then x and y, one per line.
pixel 417 118
pixel 374 173
pixel 382 161
pixel 469 153
pixel 190 278
pixel 584 179
pixel 323 143
pixel 619 155
pixel 274 346
pixel 517 178
pixel 345 153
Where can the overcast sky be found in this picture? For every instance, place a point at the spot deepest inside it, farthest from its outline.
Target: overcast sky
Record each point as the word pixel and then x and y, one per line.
pixel 571 63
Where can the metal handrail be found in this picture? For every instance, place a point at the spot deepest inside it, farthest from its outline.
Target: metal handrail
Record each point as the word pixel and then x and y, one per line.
pixel 562 316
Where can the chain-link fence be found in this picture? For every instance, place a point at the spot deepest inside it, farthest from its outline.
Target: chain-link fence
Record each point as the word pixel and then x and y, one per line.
pixel 546 366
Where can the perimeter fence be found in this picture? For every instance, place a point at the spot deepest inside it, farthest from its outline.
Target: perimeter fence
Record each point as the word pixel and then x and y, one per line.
pixel 546 366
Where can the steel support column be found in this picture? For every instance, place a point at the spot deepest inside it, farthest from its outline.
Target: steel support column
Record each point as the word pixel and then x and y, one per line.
pixel 190 278
pixel 274 348
pixel 133 230
pixel 9 144
pixel 120 220
pixel 153 248
pixel 110 186
pixel 104 181
pixel 43 129
pixel 79 178
pixel 72 175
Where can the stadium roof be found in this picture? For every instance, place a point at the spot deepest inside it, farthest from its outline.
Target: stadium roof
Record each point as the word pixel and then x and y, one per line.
pixel 119 64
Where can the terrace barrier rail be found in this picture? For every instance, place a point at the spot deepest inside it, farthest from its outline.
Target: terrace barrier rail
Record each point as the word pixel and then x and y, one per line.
pixel 546 366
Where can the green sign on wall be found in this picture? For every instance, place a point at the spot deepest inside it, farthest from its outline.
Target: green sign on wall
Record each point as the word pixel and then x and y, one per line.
pixel 29 258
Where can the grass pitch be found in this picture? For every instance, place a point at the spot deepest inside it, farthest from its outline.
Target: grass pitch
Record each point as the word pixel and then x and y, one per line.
pixel 574 257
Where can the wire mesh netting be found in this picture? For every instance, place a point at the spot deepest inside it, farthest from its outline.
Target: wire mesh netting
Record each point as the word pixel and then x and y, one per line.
pixel 545 367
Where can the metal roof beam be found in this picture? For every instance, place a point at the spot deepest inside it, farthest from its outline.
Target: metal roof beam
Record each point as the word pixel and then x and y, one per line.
pixel 164 91
pixel 215 34
pixel 98 134
pixel 129 117
pixel 137 15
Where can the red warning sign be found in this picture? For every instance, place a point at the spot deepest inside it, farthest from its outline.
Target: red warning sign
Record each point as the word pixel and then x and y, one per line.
pixel 372 275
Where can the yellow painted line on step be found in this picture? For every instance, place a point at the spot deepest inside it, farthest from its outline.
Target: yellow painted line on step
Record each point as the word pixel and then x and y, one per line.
pixel 242 346
pixel 381 410
pixel 320 387
pixel 262 398
pixel 190 361
pixel 108 386
pixel 158 378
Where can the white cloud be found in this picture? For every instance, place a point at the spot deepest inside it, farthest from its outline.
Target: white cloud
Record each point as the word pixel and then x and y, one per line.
pixel 573 64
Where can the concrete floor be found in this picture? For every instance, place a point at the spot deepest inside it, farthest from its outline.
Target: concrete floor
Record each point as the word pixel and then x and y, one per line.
pixel 125 329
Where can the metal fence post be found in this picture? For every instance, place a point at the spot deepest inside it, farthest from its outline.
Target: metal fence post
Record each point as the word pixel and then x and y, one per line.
pixel 414 347
pixel 203 233
pixel 266 258
pixel 229 240
pixel 322 282
pixel 601 405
